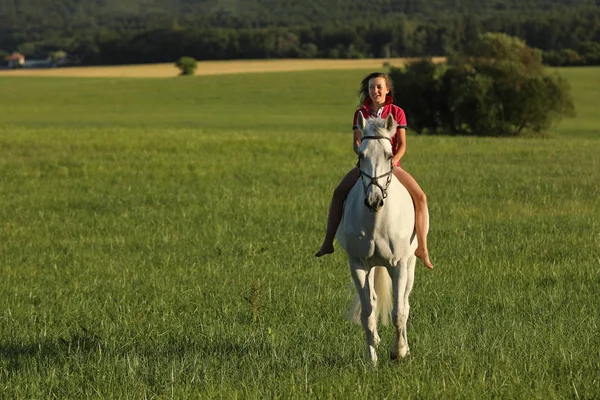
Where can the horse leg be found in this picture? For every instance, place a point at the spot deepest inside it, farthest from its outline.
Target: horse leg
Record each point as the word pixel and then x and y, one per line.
pixel 410 278
pixel 412 261
pixel 364 279
pixel 402 281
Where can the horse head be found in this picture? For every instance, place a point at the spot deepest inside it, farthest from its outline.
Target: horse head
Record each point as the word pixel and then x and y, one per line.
pixel 375 158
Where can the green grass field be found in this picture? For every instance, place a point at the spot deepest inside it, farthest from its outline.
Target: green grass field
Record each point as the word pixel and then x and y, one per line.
pixel 157 241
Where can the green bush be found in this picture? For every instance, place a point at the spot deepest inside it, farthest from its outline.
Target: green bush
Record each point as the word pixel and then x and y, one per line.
pixel 187 65
pixel 418 91
pixel 590 52
pixel 58 57
pixel 496 87
pixel 308 50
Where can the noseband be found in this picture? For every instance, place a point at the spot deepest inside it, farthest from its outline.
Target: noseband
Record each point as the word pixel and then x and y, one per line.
pixel 374 180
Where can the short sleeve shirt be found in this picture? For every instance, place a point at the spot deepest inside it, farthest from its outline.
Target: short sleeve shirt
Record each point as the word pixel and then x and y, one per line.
pixel 388 108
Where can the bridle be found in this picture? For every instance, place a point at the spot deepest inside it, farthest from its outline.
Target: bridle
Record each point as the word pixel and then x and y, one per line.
pixel 374 180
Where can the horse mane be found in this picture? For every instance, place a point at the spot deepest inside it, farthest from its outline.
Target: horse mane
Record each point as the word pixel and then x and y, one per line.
pixel 377 126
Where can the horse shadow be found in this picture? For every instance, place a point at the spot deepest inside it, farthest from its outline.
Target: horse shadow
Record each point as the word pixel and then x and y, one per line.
pixel 59 351
pixel 51 350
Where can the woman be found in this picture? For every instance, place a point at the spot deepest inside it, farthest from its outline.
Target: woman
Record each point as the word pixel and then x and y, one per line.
pixel 376 96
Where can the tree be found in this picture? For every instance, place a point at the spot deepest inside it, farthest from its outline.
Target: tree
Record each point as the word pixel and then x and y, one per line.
pixel 58 57
pixel 418 89
pixel 495 87
pixel 187 65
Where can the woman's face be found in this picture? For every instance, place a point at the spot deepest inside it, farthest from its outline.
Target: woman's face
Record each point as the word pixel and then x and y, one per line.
pixel 378 90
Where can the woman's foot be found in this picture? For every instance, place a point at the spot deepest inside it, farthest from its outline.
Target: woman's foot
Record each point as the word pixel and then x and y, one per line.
pixel 424 256
pixel 325 249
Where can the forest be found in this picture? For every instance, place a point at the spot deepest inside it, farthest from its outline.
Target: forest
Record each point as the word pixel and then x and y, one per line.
pixel 103 32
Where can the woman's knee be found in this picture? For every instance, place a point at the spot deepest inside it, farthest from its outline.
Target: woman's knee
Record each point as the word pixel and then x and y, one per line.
pixel 341 192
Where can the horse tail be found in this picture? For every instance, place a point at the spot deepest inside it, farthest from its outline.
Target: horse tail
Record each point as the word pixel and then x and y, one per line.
pixel 383 290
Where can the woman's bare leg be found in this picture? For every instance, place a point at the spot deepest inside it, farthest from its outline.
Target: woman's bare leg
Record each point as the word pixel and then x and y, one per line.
pixel 421 219
pixel 335 210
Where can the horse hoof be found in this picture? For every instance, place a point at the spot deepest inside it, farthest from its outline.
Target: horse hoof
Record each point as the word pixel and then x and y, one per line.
pixel 376 340
pixel 399 355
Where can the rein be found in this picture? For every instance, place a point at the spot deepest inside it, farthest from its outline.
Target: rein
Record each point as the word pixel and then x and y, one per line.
pixel 374 180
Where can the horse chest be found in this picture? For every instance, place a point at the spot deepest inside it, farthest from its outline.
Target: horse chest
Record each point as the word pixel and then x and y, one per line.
pixel 381 238
pixel 367 246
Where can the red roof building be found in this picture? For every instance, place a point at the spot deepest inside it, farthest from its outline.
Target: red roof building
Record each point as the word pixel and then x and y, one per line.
pixel 15 60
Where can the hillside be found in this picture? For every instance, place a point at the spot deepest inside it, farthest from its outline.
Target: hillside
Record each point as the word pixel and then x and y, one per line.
pixel 143 14
pixel 100 32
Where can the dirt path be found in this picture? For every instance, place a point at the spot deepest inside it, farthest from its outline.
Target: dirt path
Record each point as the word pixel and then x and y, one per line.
pixel 209 68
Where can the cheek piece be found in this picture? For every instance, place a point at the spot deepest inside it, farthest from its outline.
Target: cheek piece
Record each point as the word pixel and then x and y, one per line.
pixel 374 180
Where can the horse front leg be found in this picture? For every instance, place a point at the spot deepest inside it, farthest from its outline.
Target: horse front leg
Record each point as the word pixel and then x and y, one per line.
pixel 402 282
pixel 364 279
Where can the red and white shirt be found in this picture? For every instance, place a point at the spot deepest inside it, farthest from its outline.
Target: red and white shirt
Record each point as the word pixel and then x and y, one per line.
pixel 388 108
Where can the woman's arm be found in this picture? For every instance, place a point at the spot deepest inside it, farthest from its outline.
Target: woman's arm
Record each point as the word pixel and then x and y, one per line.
pixel 400 145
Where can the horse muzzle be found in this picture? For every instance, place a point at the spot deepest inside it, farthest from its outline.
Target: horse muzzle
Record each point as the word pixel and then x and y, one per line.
pixel 374 206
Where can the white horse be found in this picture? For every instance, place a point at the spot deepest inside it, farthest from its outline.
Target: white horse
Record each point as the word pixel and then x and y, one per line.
pixel 378 233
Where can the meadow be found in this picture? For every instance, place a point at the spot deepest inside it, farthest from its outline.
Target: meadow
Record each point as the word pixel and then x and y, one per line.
pixel 157 241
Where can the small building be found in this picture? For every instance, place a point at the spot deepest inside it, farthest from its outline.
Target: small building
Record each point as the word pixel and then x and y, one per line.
pixel 15 60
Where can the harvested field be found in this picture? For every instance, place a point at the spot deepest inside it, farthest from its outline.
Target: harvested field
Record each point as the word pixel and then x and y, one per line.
pixel 209 68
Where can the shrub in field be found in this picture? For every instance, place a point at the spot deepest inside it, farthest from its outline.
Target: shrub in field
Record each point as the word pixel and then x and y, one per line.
pixel 496 87
pixel 418 86
pixel 590 51
pixel 587 53
pixel 58 57
pixel 187 65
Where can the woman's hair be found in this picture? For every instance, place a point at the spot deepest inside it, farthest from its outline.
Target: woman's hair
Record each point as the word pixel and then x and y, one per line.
pixel 363 93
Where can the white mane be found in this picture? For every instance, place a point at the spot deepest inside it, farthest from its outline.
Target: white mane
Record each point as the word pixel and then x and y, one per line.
pixel 379 126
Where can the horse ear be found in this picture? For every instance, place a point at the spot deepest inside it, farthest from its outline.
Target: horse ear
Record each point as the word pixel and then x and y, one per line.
pixel 389 122
pixel 360 122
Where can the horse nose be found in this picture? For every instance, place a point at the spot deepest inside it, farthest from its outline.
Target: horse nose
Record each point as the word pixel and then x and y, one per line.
pixel 374 207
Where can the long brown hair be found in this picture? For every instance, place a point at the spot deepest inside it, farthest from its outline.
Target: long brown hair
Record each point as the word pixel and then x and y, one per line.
pixel 363 93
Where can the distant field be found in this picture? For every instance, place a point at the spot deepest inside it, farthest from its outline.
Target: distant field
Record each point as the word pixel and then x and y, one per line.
pixel 208 68
pixel 157 241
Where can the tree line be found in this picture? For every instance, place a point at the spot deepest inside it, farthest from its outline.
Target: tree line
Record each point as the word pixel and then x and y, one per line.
pixel 496 86
pixel 566 36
